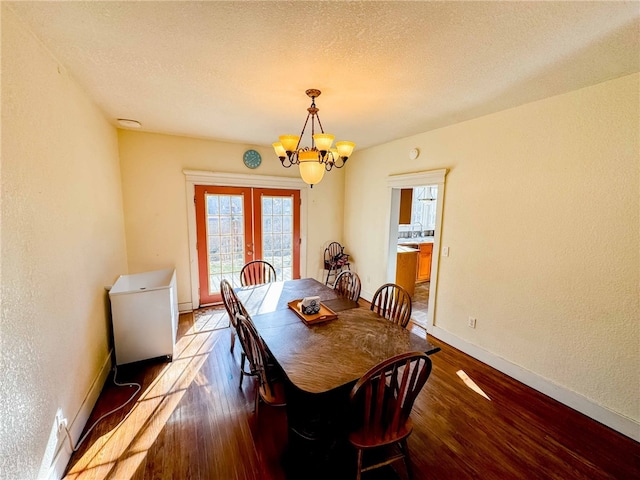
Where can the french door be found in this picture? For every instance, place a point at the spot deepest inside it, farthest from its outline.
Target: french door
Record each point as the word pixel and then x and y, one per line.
pixel 235 225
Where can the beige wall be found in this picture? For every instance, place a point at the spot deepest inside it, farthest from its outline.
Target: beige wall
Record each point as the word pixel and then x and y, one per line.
pixel 62 242
pixel 542 216
pixel 542 219
pixel 155 205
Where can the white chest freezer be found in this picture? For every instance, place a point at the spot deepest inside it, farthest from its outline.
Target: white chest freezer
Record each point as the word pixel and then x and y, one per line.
pixel 144 308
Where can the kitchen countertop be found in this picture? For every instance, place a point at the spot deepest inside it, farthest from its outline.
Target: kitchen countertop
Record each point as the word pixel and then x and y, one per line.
pixel 415 240
pixel 407 249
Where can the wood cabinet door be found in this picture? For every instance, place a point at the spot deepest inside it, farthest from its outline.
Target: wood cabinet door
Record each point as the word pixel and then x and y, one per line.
pixel 424 262
pixel 406 200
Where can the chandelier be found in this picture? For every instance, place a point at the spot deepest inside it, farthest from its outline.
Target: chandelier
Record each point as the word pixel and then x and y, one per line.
pixel 320 157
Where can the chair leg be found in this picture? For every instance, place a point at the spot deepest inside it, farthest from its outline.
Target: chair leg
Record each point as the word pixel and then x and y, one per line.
pixel 407 458
pixel 359 472
pixel 257 401
pixel 242 360
pixel 333 273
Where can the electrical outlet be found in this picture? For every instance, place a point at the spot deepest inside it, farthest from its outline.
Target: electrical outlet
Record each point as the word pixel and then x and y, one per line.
pixel 61 421
pixel 472 322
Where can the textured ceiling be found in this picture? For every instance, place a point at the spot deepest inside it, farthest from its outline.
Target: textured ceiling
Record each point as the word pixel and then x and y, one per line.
pixel 237 71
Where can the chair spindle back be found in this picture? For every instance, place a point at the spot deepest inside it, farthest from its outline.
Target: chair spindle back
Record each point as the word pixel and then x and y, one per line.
pixel 392 302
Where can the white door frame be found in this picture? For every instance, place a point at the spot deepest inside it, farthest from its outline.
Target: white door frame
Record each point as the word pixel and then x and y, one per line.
pixel 199 177
pixel 413 180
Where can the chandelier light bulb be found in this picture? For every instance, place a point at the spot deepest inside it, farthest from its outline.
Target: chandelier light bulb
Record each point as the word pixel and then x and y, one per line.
pixel 345 149
pixel 311 170
pixel 289 142
pixel 323 141
pixel 279 149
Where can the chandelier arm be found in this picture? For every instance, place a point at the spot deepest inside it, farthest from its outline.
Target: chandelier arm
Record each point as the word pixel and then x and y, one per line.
pixel 303 129
pixel 286 161
pixel 313 130
pixel 319 122
pixel 322 159
pixel 331 161
pixel 313 111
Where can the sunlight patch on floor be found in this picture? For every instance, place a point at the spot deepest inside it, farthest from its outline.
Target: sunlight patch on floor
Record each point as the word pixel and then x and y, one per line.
pixel 119 453
pixel 471 384
pixel 210 318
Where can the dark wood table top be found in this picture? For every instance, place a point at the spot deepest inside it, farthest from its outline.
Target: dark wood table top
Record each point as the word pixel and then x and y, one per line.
pixel 322 357
pixel 274 296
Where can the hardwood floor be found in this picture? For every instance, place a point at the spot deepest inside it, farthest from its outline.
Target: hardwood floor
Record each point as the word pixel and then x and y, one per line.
pixel 419 303
pixel 191 421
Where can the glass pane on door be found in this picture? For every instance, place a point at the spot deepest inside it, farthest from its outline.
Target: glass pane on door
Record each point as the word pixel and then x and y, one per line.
pixel 235 225
pixel 224 227
pixel 277 234
pixel 278 230
pixel 225 239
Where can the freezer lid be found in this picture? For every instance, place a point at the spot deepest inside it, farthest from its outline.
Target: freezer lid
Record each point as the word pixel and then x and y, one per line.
pixel 146 281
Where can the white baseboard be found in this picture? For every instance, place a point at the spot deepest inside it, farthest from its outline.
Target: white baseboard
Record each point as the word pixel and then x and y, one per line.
pixel 76 426
pixel 368 296
pixel 185 307
pixel 574 400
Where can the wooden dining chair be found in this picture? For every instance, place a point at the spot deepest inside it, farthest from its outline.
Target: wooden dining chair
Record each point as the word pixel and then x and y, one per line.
pixel 348 285
pixel 270 387
pixel 393 302
pixel 257 272
pixel 335 260
pixel 381 403
pixel 234 307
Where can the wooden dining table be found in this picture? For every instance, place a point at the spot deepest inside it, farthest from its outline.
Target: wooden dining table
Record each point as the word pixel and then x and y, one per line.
pixel 321 363
pixel 326 356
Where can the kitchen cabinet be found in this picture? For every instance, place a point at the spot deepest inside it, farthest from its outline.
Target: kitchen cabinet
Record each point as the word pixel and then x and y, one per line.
pixel 406 265
pixel 406 201
pixel 424 262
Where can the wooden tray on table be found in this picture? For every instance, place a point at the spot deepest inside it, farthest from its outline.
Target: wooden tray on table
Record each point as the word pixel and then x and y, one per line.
pixel 324 315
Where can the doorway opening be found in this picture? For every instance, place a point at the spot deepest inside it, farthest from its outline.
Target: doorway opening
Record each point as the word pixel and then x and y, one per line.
pixel 414 231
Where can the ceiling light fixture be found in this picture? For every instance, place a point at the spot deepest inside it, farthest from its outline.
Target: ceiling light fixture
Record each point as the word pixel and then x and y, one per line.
pixel 320 157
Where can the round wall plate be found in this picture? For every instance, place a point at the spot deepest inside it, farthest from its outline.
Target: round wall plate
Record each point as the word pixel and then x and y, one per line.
pixel 413 153
pixel 252 159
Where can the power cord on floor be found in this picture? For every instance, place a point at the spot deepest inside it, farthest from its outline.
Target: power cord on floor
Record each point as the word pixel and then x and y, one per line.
pixel 84 437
